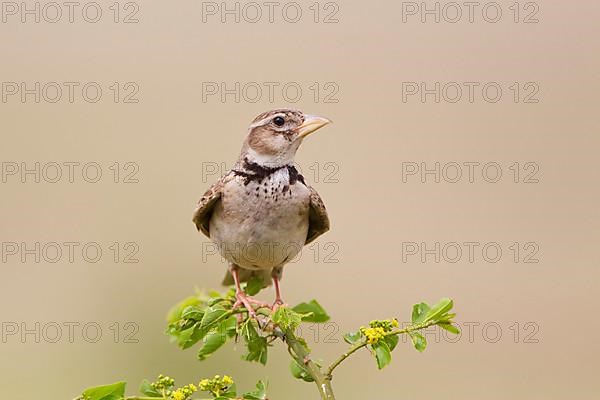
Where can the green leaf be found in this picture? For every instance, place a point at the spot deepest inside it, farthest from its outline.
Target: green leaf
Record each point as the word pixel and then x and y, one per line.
pixel 418 341
pixel 229 326
pixel 257 350
pixel 230 393
pixel 115 391
pixel 449 327
pixel 247 330
pixel 183 336
pixel 438 311
pixel 419 312
pixel 216 300
pixel 254 285
pixel 256 345
pixel 391 341
pixel 147 390
pixel 174 314
pixel 286 318
pixel 448 317
pixel 197 334
pixel 300 372
pixel 212 316
pixel 382 354
pixel 312 311
pixel 259 394
pixel 192 312
pixel 212 342
pixel 353 337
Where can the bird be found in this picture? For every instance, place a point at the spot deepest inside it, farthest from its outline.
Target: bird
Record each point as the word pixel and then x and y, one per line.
pixel 262 212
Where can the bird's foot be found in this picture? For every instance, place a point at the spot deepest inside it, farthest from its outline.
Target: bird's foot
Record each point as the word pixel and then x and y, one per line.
pixel 278 303
pixel 249 303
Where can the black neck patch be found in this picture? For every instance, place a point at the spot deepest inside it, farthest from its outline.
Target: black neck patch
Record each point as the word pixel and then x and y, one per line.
pixel 255 172
pixel 294 175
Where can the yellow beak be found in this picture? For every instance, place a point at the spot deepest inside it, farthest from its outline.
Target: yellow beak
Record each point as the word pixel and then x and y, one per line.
pixel 311 123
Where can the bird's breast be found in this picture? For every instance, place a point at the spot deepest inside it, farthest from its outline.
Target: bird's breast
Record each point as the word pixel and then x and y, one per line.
pixel 261 223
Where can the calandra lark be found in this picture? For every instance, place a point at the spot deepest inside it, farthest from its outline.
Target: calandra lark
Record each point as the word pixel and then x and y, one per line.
pixel 262 211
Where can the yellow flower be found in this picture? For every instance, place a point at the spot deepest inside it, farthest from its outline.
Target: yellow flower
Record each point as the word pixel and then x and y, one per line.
pixel 215 385
pixel 204 384
pixel 373 335
pixel 178 395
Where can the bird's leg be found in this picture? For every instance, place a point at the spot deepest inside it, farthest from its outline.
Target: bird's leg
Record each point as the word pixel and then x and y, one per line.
pixel 242 299
pixel 278 300
pixel 240 296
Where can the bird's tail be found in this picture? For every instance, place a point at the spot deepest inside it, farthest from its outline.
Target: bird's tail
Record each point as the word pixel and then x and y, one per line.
pixel 246 274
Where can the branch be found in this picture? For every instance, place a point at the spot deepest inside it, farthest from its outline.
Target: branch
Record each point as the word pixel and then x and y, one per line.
pixel 143 398
pixel 302 356
pixel 213 320
pixel 364 343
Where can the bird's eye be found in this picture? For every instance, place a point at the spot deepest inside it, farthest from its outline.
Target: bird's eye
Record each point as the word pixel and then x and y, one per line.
pixel 279 121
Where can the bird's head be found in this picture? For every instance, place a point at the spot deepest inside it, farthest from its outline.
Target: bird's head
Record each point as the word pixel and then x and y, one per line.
pixel 274 136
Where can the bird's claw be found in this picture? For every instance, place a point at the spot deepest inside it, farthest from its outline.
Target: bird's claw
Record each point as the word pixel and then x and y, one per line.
pixel 249 303
pixel 278 303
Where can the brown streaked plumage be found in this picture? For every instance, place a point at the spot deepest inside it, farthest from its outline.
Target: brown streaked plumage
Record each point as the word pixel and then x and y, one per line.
pixel 262 211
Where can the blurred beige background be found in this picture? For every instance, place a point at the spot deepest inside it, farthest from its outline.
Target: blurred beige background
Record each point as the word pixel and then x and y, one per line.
pixel 175 139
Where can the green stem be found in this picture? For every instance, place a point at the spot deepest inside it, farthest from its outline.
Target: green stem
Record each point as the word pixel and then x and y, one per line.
pixel 362 344
pixel 135 398
pixel 302 356
pixel 143 398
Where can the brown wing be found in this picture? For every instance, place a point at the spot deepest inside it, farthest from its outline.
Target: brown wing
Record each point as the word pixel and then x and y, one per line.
pixel 318 221
pixel 207 204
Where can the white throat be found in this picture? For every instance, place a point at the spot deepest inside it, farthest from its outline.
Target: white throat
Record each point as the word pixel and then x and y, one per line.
pixel 271 161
